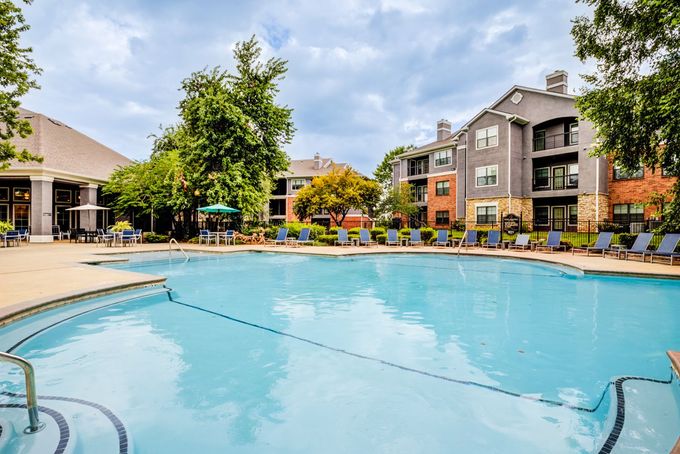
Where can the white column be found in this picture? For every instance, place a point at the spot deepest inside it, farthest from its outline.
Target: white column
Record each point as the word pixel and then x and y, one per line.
pixel 41 209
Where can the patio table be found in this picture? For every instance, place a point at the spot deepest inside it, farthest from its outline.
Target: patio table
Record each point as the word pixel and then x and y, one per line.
pixel 403 241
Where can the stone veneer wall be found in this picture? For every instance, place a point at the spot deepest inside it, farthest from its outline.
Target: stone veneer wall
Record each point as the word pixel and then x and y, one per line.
pixel 588 210
pixel 441 202
pixel 521 206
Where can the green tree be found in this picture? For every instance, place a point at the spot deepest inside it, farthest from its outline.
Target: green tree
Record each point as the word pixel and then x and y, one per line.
pixel 397 200
pixel 17 70
pixel 235 130
pixel 338 192
pixel 633 98
pixel 383 173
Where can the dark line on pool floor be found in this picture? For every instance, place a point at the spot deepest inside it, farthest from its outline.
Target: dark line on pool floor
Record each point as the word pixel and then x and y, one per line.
pixel 123 441
pixel 398 366
pixel 64 431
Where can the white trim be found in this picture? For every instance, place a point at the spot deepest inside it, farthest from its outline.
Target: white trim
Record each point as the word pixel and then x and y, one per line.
pixel 486 204
pixel 556 85
pixel 89 186
pixel 597 191
pixel 439 174
pixel 486 185
pixel 532 90
pixel 56 174
pixel 461 147
pixel 487 137
pixel 41 178
pixel 509 167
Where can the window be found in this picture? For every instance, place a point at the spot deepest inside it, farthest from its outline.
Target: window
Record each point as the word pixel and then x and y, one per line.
pixel 62 196
pixel 542 177
pixel 487 137
pixel 622 174
pixel 4 212
pixel 4 194
pixel 277 207
pixel 486 214
pixel 541 215
pixel 442 187
pixel 22 194
pixel 573 215
pixel 298 183
pixel 420 193
pixel 573 134
pixel 441 217
pixel 418 166
pixel 539 140
pixel 486 176
pixel 22 216
pixel 627 213
pixel 572 175
pixel 442 158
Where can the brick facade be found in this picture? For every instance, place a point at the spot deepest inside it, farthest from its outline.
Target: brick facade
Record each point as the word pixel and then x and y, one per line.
pixel 290 215
pixel 441 202
pixel 637 190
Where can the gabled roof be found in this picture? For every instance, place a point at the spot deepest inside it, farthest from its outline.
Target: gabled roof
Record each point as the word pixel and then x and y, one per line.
pixel 532 90
pixel 66 150
pixel 507 115
pixel 305 168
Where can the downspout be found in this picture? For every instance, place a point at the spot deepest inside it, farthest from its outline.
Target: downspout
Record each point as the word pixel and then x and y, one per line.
pixel 597 190
pixel 509 163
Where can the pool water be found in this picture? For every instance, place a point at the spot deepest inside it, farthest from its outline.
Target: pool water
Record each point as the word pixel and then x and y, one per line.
pixel 283 353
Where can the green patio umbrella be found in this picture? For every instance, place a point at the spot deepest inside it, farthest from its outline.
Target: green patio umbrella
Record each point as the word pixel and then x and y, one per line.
pixel 218 208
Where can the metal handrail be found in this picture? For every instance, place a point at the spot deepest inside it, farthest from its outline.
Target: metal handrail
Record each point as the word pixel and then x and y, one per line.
pixel 172 240
pixel 31 397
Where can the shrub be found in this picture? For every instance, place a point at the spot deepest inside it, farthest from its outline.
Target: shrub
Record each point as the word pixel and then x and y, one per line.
pixel 458 225
pixel 405 232
pixel 193 240
pixel 427 233
pixel 609 227
pixel 334 230
pixel 6 226
pixel 150 237
pixel 327 239
pixel 381 238
pixel 378 231
pixel 354 231
pixel 627 239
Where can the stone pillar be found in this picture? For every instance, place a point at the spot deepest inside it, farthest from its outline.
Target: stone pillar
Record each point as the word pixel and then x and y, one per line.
pixel 88 194
pixel 41 209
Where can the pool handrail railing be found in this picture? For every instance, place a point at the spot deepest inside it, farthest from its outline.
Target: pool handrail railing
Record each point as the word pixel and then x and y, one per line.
pixel 31 397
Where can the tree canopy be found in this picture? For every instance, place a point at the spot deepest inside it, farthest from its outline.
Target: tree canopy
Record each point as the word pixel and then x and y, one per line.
pixel 383 173
pixel 338 192
pixel 399 199
pixel 633 98
pixel 17 70
pixel 227 146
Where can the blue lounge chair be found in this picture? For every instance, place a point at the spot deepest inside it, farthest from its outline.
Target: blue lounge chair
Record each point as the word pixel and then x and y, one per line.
pixel 554 242
pixel 343 239
pixel 281 238
pixel 442 239
pixel 469 239
pixel 601 245
pixel 667 248
pixel 415 238
pixel 365 238
pixel 521 242
pixel 303 238
pixel 493 239
pixel 639 246
pixel 392 238
pixel 206 236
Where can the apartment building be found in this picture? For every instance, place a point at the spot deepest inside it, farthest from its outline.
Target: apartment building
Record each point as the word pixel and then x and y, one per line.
pixel 299 174
pixel 527 155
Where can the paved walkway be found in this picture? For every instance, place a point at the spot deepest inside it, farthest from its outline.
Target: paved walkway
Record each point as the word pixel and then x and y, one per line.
pixel 36 275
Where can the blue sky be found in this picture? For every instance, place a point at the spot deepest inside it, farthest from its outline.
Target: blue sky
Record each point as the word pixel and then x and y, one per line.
pixel 364 76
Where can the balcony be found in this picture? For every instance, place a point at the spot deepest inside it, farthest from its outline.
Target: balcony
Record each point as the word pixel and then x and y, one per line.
pixel 556 182
pixel 565 139
pixel 419 166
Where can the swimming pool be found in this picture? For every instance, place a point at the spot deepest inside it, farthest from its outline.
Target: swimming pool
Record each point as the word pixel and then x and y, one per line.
pixel 256 352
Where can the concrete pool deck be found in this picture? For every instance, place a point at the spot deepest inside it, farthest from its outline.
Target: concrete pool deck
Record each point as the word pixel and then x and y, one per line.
pixel 35 276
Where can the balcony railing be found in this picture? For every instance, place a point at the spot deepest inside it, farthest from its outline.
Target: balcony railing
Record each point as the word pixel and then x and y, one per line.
pixel 556 183
pixel 564 139
pixel 418 167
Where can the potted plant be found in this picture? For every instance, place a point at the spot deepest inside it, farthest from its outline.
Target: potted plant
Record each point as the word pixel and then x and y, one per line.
pixel 120 226
pixel 5 226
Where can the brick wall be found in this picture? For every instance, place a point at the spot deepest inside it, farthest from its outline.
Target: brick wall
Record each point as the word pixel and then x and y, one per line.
pixel 637 190
pixel 290 215
pixel 441 202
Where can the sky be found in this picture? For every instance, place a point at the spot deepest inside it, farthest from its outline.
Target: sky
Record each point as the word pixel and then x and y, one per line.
pixel 363 76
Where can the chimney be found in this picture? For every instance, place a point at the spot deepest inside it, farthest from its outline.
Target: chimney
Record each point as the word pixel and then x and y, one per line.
pixel 317 161
pixel 443 129
pixel 557 81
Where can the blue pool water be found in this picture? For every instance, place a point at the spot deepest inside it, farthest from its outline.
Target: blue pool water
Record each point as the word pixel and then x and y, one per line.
pixel 384 353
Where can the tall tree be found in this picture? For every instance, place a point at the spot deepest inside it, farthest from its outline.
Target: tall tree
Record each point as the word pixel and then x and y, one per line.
pixel 383 173
pixel 235 129
pixel 338 192
pixel 399 199
pixel 633 98
pixel 17 70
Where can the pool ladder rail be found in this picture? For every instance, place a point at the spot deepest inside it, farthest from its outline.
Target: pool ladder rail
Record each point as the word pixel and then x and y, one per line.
pixel 172 240
pixel 31 397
